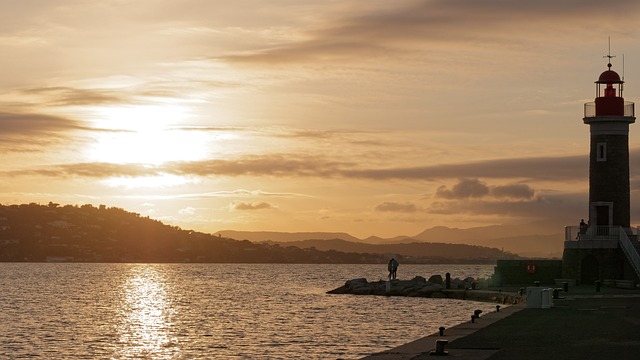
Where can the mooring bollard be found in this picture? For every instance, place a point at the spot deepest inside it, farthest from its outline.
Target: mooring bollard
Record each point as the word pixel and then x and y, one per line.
pixel 441 328
pixel 440 344
pixel 497 308
pixel 473 318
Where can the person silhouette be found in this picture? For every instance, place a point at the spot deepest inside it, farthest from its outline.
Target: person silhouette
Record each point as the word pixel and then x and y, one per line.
pixel 394 267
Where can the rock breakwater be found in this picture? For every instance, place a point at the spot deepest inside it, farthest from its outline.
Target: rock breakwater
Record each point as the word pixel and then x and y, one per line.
pixel 435 287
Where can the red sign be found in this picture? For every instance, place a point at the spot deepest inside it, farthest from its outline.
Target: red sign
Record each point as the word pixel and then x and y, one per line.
pixel 531 268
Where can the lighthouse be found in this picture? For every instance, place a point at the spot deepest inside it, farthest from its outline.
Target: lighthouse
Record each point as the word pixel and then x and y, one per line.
pixel 608 118
pixel 605 249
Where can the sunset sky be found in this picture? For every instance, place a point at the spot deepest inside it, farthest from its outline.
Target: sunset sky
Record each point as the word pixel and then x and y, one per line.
pixel 369 117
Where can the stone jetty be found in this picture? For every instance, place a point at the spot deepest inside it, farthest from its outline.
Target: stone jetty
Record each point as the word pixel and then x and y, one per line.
pixel 434 287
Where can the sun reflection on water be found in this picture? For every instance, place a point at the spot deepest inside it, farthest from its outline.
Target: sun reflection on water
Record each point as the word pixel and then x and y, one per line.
pixel 146 313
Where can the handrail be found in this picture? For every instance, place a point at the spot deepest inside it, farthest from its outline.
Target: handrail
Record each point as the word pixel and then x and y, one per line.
pixel 597 232
pixel 630 251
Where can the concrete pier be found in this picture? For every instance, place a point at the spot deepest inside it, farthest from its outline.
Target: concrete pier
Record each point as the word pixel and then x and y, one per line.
pixel 582 325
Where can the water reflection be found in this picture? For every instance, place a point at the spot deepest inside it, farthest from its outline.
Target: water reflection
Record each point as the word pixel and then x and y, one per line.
pixel 145 315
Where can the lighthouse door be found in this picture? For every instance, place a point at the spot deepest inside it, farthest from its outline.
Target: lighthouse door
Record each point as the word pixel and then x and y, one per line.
pixel 602 219
pixel 589 270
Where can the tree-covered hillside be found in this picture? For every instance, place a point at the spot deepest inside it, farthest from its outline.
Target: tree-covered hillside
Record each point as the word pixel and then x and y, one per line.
pixel 34 232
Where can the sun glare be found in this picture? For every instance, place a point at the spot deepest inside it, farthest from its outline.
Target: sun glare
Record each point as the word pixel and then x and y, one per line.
pixel 146 135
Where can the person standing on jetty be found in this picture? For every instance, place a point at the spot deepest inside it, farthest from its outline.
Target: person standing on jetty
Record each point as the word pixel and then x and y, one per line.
pixel 392 267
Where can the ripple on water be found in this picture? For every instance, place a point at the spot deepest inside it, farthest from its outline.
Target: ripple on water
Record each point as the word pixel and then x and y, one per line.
pixel 169 311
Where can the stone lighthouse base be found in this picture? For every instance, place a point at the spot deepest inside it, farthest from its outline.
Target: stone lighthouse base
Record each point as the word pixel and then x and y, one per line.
pixel 605 265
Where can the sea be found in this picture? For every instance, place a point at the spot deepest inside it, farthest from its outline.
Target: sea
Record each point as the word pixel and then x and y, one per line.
pixel 214 311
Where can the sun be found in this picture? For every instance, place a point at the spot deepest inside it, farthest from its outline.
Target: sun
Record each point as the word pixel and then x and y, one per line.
pixel 146 134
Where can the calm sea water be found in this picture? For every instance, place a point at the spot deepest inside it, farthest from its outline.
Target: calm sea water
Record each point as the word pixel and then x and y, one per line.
pixel 213 311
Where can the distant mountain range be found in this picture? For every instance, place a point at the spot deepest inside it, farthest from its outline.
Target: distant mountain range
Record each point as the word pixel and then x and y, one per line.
pixel 527 240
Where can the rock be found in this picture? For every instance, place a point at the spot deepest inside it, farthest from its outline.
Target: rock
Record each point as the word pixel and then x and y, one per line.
pixel 355 281
pixel 362 290
pixel 418 286
pixel 468 282
pixel 429 290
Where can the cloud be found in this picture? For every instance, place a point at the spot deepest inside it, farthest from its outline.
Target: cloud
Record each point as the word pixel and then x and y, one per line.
pixel 90 170
pixel 563 168
pixel 68 96
pixel 465 188
pixel 187 211
pixel 396 207
pixel 35 124
pixel 250 206
pixel 514 191
pixel 543 206
pixel 411 25
pixel 474 188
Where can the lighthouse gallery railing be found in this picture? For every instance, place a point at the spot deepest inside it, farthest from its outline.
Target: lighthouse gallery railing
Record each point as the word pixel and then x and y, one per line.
pixel 590 109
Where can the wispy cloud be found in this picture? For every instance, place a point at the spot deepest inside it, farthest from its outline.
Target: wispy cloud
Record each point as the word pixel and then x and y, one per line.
pixel 283 165
pixel 69 96
pixel 386 31
pixel 34 124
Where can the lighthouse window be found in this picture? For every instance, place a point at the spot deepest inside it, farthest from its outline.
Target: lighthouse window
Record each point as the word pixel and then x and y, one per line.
pixel 601 152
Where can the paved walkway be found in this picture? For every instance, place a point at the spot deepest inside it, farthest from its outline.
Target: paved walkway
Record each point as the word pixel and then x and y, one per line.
pixel 583 325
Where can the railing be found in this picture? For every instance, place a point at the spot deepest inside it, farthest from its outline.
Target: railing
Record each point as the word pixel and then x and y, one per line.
pixel 590 109
pixel 575 233
pixel 630 251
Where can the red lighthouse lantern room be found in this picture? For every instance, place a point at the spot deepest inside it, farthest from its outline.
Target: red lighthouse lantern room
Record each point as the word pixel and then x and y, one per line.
pixel 607 102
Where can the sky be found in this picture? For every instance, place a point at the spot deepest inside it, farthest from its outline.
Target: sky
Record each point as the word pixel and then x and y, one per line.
pixel 368 117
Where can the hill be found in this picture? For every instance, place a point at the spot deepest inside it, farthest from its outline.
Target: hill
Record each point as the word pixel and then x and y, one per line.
pixel 33 232
pixel 261 236
pixel 527 240
pixel 433 251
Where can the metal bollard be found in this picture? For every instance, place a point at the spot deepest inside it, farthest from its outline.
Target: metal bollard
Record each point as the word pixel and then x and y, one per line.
pixel 497 308
pixel 440 351
pixel 473 319
pixel 441 328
